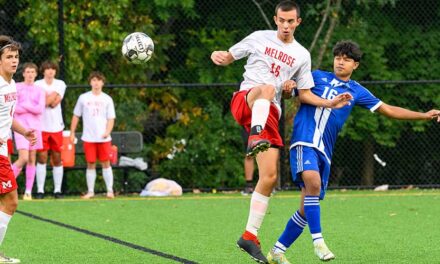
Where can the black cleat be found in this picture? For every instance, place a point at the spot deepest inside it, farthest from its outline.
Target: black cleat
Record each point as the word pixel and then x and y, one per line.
pixel 256 144
pixel 252 247
pixel 58 195
pixel 39 196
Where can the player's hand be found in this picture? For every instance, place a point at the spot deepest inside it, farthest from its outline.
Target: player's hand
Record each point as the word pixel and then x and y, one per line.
pixel 220 58
pixel 72 138
pixel 433 114
pixel 287 88
pixel 341 100
pixel 31 137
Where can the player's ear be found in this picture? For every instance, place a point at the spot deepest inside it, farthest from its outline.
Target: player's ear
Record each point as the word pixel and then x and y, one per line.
pixel 299 21
pixel 275 19
pixel 356 65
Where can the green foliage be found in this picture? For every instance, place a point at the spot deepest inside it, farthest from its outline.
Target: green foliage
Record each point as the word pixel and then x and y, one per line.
pixel 211 155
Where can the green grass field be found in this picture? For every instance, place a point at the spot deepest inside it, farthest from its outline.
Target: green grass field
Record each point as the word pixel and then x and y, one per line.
pixel 359 227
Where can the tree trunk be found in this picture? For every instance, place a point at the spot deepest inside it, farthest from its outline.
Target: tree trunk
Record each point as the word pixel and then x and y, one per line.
pixel 368 170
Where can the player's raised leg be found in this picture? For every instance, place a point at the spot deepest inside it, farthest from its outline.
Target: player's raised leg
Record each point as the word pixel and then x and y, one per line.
pixel 259 100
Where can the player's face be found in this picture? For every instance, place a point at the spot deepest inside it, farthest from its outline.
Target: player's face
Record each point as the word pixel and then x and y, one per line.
pixel 344 66
pixel 96 83
pixel 9 61
pixel 49 73
pixel 286 22
pixel 29 75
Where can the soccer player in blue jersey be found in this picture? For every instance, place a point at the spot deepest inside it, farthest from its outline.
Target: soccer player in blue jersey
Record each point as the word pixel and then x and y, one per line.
pixel 313 138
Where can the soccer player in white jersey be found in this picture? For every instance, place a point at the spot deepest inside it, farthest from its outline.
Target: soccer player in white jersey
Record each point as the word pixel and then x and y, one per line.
pixel 274 58
pixel 98 115
pixel 9 58
pixel 53 125
pixel 313 138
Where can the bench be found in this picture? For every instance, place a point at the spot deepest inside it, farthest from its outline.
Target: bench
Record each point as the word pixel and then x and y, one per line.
pixel 128 142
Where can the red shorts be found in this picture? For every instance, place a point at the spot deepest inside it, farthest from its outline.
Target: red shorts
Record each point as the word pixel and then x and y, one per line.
pixel 10 147
pixel 97 150
pixel 243 114
pixel 7 178
pixel 52 141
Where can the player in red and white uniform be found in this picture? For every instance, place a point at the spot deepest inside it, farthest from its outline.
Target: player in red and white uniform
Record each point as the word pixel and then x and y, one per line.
pixel 275 58
pixel 9 58
pixel 98 114
pixel 53 125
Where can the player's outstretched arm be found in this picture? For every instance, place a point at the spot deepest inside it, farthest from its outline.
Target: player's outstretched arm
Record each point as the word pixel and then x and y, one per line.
pixel 306 96
pixel 222 58
pixel 405 114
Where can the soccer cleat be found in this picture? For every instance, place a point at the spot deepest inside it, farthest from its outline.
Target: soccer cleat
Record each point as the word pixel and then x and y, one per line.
pixel 253 248
pixel 247 190
pixel 276 258
pixel 322 251
pixel 4 259
pixel 58 195
pixel 256 144
pixel 110 195
pixel 88 195
pixel 27 197
pixel 39 195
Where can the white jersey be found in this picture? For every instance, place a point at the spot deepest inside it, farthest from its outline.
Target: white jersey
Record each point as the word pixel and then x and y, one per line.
pixel 271 61
pixel 8 98
pixel 95 110
pixel 52 117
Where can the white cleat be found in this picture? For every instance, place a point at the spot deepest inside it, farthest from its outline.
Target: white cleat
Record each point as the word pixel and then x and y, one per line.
pixel 88 195
pixel 4 259
pixel 276 258
pixel 322 251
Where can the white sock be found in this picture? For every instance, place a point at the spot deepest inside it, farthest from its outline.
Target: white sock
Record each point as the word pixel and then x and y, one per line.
pixel 107 174
pixel 257 212
pixel 41 177
pixel 91 178
pixel 260 112
pixel 317 238
pixel 4 221
pixel 57 178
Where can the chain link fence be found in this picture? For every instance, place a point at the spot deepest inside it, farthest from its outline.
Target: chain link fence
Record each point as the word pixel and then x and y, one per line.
pixel 180 101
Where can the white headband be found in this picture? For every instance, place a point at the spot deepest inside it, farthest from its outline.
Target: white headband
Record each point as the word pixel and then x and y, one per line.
pixel 6 46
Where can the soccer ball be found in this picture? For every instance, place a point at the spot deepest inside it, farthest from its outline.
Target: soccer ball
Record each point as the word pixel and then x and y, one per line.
pixel 137 47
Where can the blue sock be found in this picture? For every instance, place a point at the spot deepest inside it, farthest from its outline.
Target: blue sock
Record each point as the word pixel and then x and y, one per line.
pixel 293 230
pixel 313 216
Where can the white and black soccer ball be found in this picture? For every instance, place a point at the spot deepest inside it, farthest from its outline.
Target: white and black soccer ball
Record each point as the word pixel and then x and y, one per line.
pixel 138 47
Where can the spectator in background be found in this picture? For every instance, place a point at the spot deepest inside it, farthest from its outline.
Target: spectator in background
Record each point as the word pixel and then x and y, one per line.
pixel 53 126
pixel 28 111
pixel 249 166
pixel 98 115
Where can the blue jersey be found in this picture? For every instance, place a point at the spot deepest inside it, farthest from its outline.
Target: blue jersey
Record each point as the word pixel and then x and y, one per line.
pixel 318 127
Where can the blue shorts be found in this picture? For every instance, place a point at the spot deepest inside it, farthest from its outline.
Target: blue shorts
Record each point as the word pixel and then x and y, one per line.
pixel 304 158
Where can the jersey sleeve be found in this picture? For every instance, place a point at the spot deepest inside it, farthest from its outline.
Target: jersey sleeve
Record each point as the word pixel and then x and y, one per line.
pixel 111 113
pixel 78 110
pixel 367 100
pixel 62 88
pixel 304 78
pixel 244 48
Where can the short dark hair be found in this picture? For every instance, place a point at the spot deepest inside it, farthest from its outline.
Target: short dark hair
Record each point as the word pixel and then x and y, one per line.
pixel 287 6
pixel 48 65
pixel 96 74
pixel 8 42
pixel 30 65
pixel 348 48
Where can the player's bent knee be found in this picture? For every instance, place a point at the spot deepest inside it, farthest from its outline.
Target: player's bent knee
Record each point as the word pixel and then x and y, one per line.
pixel 268 91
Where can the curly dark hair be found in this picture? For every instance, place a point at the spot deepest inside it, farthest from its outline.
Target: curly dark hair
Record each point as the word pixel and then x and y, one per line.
pixel 348 48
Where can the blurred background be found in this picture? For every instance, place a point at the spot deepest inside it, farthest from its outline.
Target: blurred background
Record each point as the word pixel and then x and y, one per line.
pixel 179 100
